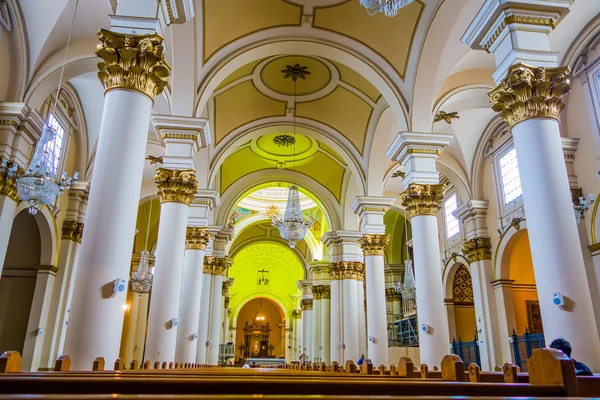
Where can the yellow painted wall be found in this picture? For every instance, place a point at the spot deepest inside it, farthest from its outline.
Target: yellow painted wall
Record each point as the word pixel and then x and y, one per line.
pixel 274 316
pixel 521 271
pixel 464 317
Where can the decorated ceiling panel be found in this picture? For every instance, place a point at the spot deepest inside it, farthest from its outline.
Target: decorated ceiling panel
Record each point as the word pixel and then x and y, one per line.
pixel 302 154
pixel 390 37
pixel 326 92
pixel 227 20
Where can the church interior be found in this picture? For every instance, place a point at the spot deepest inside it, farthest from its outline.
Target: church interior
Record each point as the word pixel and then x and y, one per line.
pixel 261 197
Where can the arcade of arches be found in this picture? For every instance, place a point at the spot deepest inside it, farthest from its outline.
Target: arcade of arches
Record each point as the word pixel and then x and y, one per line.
pixel 450 177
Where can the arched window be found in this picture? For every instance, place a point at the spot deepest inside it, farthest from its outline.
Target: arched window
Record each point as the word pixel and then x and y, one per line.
pixel 62 119
pixel 509 174
pixel 452 224
pixel 55 146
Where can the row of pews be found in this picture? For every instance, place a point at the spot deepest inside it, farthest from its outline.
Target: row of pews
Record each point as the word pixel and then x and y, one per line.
pixel 551 374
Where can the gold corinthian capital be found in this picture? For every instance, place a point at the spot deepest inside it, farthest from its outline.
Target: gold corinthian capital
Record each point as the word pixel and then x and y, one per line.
pixel 478 249
pixel 176 186
pixel 133 62
pixel 422 199
pixel 196 238
pixel 373 245
pixel 531 92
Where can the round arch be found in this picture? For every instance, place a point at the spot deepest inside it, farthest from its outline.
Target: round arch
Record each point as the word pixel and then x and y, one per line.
pixel 304 126
pixel 504 248
pixel 269 296
pixel 258 48
pixel 48 233
pixel 236 191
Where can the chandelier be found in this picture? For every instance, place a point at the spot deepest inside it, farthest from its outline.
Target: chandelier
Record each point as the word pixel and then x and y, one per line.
pixel 141 280
pixel 292 227
pixel 39 185
pixel 388 7
pixel 408 289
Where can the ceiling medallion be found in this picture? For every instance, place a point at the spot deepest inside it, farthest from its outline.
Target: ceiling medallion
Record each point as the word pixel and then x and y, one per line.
pixel 388 7
pixel 295 72
pixel 284 140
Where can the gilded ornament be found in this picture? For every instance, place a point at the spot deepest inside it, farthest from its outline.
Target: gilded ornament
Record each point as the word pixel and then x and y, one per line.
pixel 306 304
pixel 8 182
pixel 478 249
pixel 226 302
pixel 346 270
pixel 72 230
pixel 518 19
pixel 391 294
pixel 531 92
pixel 374 245
pixel 215 265
pixel 316 292
pixel 174 185
pixel 134 62
pixel 325 292
pixel 444 116
pixel 422 199
pixel 225 287
pixel 297 314
pixel 196 238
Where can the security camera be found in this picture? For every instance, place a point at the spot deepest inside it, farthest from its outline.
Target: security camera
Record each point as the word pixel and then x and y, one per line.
pixel 39 332
pixel 194 335
pixel 174 322
pixel 424 328
pixel 341 345
pixel 371 339
pixel 119 285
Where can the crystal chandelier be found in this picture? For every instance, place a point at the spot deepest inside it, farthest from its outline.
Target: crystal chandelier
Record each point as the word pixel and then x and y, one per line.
pixel 141 280
pixel 39 185
pixel 292 227
pixel 388 7
pixel 408 289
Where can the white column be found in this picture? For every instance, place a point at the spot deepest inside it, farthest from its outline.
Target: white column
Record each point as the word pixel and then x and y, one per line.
pixel 189 312
pixel 529 99
pixel 477 250
pixel 435 343
pixel 204 313
pixel 351 311
pixel 555 248
pixel 215 320
pixel 64 282
pixel 325 325
pixel 308 323
pixel 176 190
pixel 373 243
pixel 316 326
pixel 96 315
pixel 505 310
pixel 361 311
pixel 38 317
pixel 335 316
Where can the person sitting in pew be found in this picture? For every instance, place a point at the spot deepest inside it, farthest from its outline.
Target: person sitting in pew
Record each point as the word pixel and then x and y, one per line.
pixel 361 360
pixel 580 368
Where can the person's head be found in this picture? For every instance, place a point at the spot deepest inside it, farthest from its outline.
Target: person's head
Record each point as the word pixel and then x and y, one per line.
pixel 253 362
pixel 562 345
pixel 362 356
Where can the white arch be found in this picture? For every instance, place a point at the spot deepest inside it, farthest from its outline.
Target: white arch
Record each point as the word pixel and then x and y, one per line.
pixel 233 194
pixel 48 234
pixel 219 70
pixel 265 295
pixel 307 127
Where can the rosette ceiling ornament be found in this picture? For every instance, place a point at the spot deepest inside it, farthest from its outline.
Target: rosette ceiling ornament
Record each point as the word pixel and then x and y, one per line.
pixel 388 7
pixel 292 226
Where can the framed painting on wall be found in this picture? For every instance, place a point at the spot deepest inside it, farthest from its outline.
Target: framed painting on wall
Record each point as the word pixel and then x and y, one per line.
pixel 534 317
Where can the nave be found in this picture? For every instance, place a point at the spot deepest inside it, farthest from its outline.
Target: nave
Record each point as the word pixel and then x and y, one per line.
pixel 301 188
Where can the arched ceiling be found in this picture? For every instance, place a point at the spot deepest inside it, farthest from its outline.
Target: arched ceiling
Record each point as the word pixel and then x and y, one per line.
pixel 331 94
pixel 227 21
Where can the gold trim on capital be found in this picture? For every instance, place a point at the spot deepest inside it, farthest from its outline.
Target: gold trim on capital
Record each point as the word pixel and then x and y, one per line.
pixel 478 249
pixel 225 287
pixel 296 314
pixel 374 245
pixel 422 199
pixel 391 294
pixel 321 292
pixel 215 265
pixel 531 92
pixel 8 185
pixel 347 270
pixel 72 230
pixel 196 238
pixel 174 185
pixel 134 62
pixel 306 304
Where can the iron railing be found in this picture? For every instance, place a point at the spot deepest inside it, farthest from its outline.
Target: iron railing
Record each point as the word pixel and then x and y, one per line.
pixel 523 347
pixel 467 351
